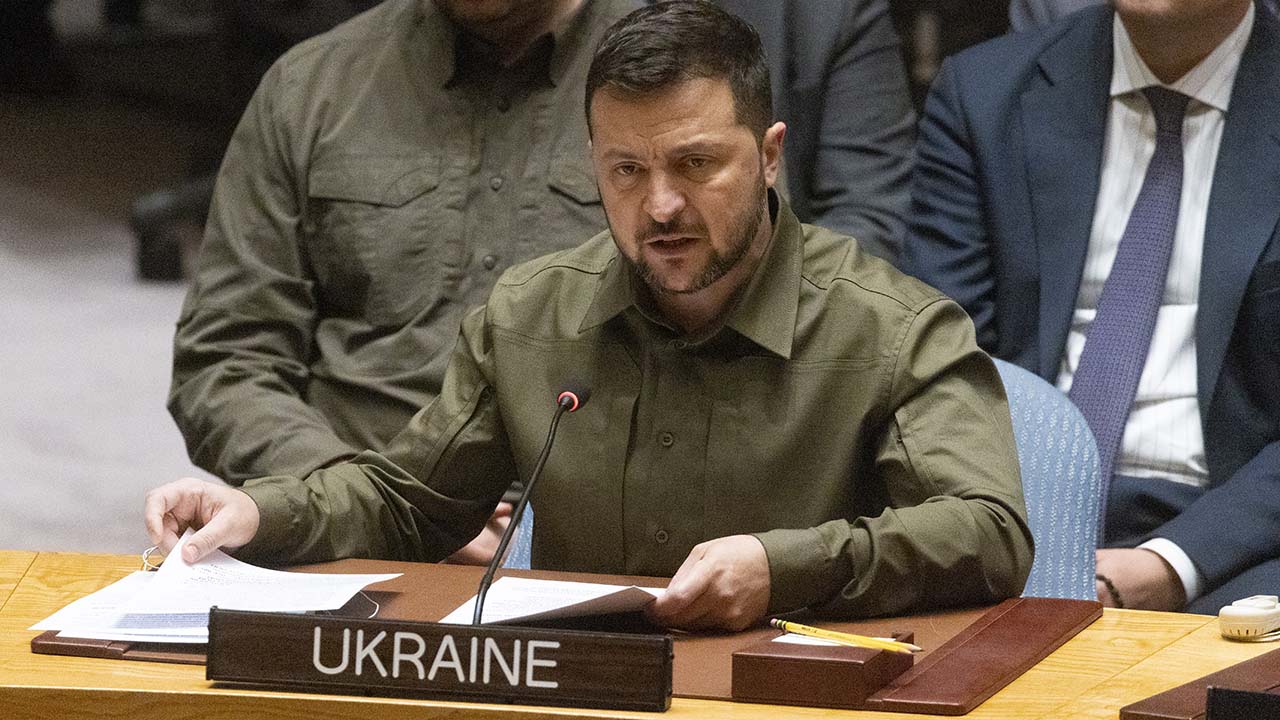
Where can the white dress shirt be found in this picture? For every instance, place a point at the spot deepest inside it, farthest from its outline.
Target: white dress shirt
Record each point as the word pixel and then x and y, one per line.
pixel 1163 439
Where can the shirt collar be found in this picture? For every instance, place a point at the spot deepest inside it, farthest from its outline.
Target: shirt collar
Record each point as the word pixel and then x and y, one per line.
pixel 441 36
pixel 1209 82
pixel 614 293
pixel 764 313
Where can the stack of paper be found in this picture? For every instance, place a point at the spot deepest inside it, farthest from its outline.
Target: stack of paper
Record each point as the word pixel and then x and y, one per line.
pixel 172 604
pixel 516 599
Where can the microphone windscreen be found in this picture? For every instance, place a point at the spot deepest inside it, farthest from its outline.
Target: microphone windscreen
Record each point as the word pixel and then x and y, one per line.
pixel 573 396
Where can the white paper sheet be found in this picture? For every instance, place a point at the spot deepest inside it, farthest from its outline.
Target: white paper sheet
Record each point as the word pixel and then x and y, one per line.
pixel 196 639
pixel 221 580
pixel 172 604
pixel 99 609
pixel 513 598
pixel 795 639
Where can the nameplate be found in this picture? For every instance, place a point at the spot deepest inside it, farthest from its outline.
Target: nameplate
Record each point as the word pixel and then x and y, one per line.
pixel 487 663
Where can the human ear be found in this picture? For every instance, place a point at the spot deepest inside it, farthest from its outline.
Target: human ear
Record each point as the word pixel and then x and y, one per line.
pixel 771 150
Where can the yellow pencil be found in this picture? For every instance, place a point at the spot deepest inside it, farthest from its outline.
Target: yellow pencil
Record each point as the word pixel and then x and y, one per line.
pixel 845 638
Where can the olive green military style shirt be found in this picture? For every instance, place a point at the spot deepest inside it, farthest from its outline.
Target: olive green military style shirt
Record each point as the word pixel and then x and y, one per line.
pixel 382 178
pixel 842 413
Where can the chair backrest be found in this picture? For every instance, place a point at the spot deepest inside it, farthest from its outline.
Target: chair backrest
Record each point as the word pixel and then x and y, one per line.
pixel 1061 481
pixel 520 554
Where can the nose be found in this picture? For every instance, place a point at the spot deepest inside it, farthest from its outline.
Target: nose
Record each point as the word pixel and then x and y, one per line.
pixel 663 201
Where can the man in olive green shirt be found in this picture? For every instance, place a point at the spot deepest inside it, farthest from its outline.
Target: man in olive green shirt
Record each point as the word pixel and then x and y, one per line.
pixel 382 178
pixel 778 420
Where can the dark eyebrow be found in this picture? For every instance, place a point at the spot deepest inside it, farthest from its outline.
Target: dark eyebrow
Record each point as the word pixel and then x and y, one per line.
pixel 698 145
pixel 613 153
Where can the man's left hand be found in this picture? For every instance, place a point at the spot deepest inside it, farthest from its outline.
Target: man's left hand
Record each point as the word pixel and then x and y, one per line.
pixel 482 547
pixel 1142 578
pixel 724 583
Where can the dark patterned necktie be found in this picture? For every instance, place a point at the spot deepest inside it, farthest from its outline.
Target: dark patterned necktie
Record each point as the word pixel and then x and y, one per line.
pixel 1116 344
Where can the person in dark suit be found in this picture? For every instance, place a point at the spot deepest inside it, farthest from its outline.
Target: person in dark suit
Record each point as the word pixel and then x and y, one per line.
pixel 1030 14
pixel 1102 197
pixel 840 86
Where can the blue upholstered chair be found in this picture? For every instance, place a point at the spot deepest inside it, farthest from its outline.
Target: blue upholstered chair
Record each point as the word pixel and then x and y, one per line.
pixel 519 556
pixel 1061 481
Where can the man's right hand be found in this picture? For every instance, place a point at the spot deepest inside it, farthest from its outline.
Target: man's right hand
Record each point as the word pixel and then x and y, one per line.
pixel 225 517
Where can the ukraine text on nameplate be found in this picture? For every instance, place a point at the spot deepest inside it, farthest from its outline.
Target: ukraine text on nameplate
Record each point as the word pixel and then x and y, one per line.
pixel 486 663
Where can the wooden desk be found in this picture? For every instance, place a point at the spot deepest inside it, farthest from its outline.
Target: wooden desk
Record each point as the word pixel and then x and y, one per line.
pixel 1124 657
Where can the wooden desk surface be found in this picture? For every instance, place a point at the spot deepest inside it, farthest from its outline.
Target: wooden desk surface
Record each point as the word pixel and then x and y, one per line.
pixel 1124 657
pixel 13 565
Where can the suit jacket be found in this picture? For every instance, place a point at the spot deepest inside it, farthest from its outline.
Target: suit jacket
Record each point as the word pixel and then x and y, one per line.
pixel 1008 168
pixel 1031 14
pixel 840 86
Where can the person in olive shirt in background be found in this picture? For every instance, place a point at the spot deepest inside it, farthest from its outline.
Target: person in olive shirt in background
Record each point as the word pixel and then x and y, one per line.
pixel 383 177
pixel 778 419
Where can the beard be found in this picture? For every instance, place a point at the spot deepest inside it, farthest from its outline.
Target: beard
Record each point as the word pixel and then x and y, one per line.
pixel 742 231
pixel 466 14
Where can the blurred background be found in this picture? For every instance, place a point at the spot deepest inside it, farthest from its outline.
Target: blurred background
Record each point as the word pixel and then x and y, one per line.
pixel 113 116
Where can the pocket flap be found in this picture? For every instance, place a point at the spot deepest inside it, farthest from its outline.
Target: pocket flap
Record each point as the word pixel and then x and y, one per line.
pixel 379 180
pixel 575 179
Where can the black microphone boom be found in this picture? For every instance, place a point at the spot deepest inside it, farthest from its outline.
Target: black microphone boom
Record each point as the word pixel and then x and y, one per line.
pixel 570 399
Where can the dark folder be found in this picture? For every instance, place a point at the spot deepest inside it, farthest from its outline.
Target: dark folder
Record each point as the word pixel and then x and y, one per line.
pixel 1188 701
pixel 1228 704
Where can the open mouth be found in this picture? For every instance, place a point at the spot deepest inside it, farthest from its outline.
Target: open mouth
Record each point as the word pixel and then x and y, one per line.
pixel 670 243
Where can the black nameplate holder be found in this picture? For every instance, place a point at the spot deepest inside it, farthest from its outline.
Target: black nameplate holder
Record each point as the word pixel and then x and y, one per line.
pixel 487 663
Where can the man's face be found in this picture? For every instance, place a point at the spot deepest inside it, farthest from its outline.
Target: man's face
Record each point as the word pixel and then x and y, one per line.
pixel 683 183
pixel 1180 12
pixel 476 15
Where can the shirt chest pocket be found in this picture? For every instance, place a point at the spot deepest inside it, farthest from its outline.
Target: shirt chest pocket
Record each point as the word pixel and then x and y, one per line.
pixel 573 212
pixel 375 235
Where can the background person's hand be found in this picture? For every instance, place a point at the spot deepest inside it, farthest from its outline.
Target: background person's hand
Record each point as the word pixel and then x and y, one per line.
pixel 723 584
pixel 1142 578
pixel 225 517
pixel 482 547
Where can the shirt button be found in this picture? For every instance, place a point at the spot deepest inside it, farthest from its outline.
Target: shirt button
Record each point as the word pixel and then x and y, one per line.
pixel 495 182
pixel 504 104
pixel 667 439
pixel 490 262
pixel 679 344
pixel 661 537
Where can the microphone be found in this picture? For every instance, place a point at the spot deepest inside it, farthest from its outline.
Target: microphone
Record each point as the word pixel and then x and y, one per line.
pixel 570 399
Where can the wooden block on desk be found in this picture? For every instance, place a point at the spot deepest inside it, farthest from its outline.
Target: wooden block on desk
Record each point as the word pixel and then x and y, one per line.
pixel 814 675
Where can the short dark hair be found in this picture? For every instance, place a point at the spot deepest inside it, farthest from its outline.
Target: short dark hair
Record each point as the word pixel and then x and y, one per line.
pixel 662 45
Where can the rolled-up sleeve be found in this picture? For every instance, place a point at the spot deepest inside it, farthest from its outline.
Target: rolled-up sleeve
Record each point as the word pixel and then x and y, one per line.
pixel 955 530
pixel 427 495
pixel 246 332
